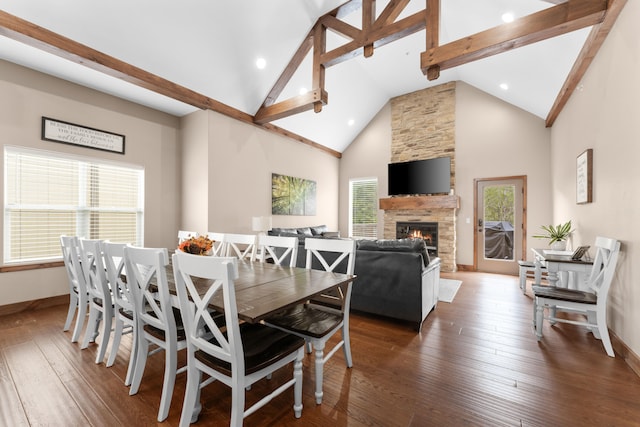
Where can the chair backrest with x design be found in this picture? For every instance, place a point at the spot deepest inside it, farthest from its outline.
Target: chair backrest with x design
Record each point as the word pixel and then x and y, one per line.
pixel 279 248
pixel 242 246
pixel 267 349
pixel 78 293
pixel 219 247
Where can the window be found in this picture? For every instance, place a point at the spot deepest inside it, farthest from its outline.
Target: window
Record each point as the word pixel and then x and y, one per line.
pixel 363 208
pixel 49 194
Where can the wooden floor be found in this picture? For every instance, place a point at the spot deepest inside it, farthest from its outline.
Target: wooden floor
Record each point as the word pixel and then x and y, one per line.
pixel 475 363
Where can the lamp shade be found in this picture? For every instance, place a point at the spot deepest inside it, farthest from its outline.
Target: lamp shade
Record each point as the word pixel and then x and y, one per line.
pixel 261 223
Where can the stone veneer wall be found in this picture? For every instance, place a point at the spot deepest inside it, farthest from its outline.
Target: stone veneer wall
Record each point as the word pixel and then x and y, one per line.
pixel 423 127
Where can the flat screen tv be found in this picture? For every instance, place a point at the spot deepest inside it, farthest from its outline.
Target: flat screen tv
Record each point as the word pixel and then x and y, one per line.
pixel 432 176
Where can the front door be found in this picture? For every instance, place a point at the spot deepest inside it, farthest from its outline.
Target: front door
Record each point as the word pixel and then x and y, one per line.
pixel 499 220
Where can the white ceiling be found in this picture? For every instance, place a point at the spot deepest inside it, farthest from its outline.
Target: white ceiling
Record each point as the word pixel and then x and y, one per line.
pixel 211 47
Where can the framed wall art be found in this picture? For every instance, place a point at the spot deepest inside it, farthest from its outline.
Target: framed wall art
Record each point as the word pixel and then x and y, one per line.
pixel 69 133
pixel 292 196
pixel 584 177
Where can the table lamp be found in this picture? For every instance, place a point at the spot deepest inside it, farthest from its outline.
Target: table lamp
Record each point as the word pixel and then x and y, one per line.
pixel 261 224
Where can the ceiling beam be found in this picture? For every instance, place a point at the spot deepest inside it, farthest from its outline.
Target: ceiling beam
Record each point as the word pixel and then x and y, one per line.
pixel 591 47
pixel 40 38
pixel 289 70
pixel 291 106
pixel 30 34
pixel 377 37
pixel 554 21
pixel 374 33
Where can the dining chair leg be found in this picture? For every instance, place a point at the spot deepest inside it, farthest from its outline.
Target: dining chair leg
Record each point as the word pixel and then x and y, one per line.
pixel 191 406
pixel 297 387
pixel 82 314
pixel 319 347
pixel 73 306
pixel 170 368
pixel 106 335
pixel 118 330
pixel 132 359
pixel 539 318
pixel 347 345
pixel 92 328
pixel 142 353
pixel 237 405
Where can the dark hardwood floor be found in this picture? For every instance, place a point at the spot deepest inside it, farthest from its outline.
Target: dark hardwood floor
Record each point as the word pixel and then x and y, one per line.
pixel 475 363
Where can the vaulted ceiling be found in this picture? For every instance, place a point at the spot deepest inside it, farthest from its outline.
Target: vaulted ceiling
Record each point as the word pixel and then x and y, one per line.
pixel 202 54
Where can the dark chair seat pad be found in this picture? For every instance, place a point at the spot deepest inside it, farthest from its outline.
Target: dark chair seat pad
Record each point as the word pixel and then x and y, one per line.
pixel 160 333
pixel 565 294
pixel 306 320
pixel 262 347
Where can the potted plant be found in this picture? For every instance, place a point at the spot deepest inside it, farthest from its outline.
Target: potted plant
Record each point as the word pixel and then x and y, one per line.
pixel 557 235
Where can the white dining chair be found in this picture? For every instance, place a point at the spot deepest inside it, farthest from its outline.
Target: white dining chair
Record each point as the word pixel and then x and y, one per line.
pixel 218 248
pixel 124 312
pixel 317 322
pixel 100 301
pixel 156 320
pixel 242 246
pixel 78 294
pixel 278 249
pixel 237 354
pixel 592 304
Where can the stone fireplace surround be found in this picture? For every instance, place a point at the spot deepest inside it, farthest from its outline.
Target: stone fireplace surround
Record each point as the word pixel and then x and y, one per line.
pixel 423 127
pixel 440 209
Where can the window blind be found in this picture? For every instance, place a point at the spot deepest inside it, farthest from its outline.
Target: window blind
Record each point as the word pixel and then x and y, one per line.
pixel 48 194
pixel 363 208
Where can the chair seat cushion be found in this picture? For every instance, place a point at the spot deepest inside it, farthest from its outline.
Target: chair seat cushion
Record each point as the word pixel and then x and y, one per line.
pixel 306 320
pixel 262 346
pixel 565 294
pixel 126 313
pixel 159 333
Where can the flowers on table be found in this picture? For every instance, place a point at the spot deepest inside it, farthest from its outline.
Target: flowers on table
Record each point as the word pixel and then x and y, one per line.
pixel 196 245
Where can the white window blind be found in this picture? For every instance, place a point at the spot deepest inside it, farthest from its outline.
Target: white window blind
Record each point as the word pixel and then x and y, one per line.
pixel 47 195
pixel 363 208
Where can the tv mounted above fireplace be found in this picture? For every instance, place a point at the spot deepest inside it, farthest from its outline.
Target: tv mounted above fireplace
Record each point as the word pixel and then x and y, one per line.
pixel 431 176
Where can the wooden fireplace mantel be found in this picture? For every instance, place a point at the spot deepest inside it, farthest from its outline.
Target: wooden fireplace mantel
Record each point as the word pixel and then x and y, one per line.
pixel 420 202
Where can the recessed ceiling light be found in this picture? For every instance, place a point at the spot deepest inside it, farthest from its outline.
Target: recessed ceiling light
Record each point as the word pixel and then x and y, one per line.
pixel 504 86
pixel 507 17
pixel 261 63
pixel 351 122
pixel 303 90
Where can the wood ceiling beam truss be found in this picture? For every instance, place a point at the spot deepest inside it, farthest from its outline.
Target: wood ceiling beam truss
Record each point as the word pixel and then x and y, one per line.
pixel 373 34
pixel 32 35
pixel 551 22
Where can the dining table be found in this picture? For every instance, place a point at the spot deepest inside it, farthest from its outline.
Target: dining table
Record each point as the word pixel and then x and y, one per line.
pixel 263 289
pixel 560 263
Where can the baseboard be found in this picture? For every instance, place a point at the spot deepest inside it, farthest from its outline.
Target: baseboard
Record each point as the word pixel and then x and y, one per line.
pixel 625 352
pixel 34 304
pixel 462 267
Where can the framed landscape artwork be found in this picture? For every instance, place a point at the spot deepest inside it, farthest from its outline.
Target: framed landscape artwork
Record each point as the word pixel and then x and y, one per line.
pixel 584 177
pixel 292 196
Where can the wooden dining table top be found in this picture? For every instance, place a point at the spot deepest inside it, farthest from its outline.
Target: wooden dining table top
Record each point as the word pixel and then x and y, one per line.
pixel 263 289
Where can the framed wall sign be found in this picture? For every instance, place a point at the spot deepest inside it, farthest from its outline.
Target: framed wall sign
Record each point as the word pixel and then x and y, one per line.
pixel 69 133
pixel 584 177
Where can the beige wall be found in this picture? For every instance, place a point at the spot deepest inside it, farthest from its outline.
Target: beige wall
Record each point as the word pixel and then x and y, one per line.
pixel 240 159
pixel 603 114
pixel 496 139
pixel 367 157
pixel 493 139
pixel 151 141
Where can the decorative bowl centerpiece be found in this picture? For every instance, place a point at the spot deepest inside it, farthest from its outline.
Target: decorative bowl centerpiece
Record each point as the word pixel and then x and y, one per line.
pixel 200 245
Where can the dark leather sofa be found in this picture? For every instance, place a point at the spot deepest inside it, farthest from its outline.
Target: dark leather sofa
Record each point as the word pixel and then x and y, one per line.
pixel 395 279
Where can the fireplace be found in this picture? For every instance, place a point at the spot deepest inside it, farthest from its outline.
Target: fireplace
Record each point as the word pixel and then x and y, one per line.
pixel 420 230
